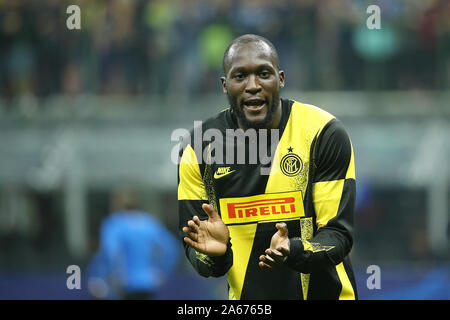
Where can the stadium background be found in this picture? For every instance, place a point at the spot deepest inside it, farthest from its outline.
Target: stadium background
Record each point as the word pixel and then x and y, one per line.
pixel 83 112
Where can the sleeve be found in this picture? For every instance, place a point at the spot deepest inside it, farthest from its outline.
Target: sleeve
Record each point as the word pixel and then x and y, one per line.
pixel 110 247
pixel 333 196
pixel 191 196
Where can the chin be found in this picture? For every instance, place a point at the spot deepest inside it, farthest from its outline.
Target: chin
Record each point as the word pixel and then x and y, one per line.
pixel 257 120
pixel 253 123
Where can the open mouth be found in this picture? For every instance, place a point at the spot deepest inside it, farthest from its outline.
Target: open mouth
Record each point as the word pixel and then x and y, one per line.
pixel 254 104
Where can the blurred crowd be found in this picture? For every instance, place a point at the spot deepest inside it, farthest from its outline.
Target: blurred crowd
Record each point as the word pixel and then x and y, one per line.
pixel 166 47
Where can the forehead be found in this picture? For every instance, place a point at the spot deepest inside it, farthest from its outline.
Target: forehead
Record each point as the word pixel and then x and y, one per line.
pixel 250 54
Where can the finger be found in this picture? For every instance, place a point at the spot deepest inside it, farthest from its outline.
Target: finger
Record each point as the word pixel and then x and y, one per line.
pixel 282 229
pixel 266 260
pixel 262 258
pixel 188 229
pixel 196 219
pixel 276 256
pixel 275 253
pixel 190 242
pixel 194 244
pixel 193 226
pixel 190 234
pixel 264 266
pixel 269 260
pixel 210 211
pixel 272 252
pixel 285 251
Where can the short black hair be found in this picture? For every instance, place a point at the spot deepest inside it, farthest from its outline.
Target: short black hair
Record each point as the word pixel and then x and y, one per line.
pixel 249 38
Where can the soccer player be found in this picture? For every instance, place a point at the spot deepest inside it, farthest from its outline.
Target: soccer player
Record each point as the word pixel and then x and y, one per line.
pixel 136 253
pixel 279 229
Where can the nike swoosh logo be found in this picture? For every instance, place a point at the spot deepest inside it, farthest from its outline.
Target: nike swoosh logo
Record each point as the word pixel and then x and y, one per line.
pixel 220 175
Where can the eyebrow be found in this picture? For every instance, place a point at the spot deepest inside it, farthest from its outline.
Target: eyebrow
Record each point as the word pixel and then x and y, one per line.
pixel 259 67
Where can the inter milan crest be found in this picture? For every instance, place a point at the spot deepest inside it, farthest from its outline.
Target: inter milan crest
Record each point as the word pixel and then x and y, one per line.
pixel 291 164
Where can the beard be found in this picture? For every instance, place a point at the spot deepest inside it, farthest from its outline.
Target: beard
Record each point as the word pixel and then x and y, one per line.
pixel 247 124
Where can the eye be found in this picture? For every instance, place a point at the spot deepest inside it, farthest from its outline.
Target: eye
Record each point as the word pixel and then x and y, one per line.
pixel 264 74
pixel 239 76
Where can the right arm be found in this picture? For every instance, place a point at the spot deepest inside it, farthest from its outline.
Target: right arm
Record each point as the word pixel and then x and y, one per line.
pixel 205 237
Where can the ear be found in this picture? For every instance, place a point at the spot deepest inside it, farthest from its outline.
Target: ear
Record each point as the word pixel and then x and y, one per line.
pixel 281 77
pixel 224 84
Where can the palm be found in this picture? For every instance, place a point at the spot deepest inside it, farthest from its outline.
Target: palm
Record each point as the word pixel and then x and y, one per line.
pixel 212 237
pixel 207 236
pixel 279 241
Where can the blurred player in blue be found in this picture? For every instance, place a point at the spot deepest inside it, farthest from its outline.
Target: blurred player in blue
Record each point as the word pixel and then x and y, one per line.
pixel 136 253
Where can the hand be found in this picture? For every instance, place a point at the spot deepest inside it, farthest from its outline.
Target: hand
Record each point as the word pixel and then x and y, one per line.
pixel 207 236
pixel 279 249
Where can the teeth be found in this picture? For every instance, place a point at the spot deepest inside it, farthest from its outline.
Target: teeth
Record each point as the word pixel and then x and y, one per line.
pixel 254 103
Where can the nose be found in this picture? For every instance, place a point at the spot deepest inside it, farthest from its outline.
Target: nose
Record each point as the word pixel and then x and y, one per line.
pixel 252 85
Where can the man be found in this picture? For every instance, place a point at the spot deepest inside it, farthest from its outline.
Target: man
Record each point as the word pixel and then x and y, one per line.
pixel 137 253
pixel 282 235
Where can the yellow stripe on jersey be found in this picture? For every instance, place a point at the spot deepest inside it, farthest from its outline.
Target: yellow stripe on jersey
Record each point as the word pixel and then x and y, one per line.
pixel 351 167
pixel 191 182
pixel 242 237
pixel 307 232
pixel 326 197
pixel 347 292
pixel 305 122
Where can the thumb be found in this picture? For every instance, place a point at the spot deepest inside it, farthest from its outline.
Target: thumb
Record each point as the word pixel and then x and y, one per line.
pixel 282 229
pixel 210 211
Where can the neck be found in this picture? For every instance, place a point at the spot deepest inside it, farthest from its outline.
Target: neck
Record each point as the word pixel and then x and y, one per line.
pixel 276 117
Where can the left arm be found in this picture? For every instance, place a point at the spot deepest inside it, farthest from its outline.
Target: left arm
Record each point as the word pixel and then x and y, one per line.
pixel 333 191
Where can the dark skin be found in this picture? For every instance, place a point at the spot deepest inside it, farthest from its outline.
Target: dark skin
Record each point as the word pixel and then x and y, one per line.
pixel 252 83
pixel 252 76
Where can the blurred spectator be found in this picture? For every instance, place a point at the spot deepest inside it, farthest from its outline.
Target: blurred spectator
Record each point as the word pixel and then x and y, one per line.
pixel 159 47
pixel 213 41
pixel 136 255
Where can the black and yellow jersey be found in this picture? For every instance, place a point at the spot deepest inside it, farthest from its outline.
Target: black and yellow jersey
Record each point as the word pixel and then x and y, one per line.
pixel 310 186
